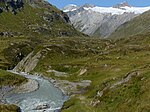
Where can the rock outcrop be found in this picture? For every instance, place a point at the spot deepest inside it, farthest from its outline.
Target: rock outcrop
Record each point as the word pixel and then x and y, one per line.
pixel 11 5
pixel 28 63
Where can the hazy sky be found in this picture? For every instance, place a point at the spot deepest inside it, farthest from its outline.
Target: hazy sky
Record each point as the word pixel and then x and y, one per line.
pixel 62 3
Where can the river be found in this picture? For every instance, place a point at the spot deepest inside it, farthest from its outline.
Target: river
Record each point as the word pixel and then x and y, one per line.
pixel 46 98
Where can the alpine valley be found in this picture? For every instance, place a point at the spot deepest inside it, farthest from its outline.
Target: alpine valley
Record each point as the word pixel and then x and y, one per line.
pixel 48 65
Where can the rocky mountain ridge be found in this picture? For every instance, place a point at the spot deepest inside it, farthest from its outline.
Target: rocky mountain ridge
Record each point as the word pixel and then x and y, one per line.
pixel 123 4
pixel 101 21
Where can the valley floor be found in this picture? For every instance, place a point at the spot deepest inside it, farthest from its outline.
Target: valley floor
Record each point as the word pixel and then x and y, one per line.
pixel 99 75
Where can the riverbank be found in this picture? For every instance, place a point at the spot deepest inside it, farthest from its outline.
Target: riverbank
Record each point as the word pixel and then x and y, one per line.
pixel 30 86
pixel 3 91
pixel 9 108
pixel 69 88
pixel 9 81
pixel 38 92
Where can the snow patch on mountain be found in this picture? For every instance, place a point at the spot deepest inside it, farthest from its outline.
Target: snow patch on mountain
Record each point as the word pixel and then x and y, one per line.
pixel 70 7
pixel 111 10
pixel 101 21
pixel 121 10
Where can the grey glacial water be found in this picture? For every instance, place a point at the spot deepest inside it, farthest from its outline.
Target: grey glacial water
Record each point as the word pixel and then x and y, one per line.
pixel 46 98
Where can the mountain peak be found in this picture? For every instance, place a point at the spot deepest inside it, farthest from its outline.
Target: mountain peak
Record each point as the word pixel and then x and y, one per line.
pixel 88 5
pixel 69 7
pixel 123 4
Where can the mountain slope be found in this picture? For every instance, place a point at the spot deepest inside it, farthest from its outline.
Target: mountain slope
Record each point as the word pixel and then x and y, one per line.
pixel 101 21
pixel 34 17
pixel 138 25
pixel 25 24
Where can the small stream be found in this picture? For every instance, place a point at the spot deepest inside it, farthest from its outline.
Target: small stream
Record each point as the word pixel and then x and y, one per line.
pixel 46 98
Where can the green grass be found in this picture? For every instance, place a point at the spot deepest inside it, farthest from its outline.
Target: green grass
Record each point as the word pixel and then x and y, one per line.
pixel 10 48
pixel 122 57
pixel 9 108
pixel 29 20
pixel 106 63
pixel 138 25
pixel 7 78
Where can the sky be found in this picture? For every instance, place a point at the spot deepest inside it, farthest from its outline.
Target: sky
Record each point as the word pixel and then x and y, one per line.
pixel 102 3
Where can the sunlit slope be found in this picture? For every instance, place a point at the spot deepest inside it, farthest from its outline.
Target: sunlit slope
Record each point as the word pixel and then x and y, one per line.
pixel 138 25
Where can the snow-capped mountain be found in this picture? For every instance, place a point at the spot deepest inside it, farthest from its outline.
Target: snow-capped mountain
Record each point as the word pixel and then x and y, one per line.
pixel 70 7
pixel 118 11
pixel 101 21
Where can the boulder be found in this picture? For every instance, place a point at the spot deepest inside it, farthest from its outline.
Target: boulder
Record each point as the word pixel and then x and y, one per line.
pixel 41 107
